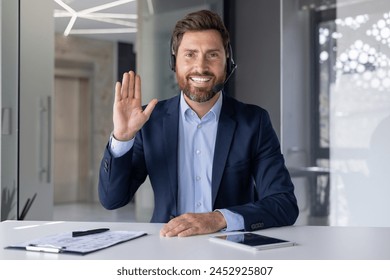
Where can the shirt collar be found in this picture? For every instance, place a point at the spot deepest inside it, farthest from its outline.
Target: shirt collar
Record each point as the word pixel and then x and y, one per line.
pixel 215 110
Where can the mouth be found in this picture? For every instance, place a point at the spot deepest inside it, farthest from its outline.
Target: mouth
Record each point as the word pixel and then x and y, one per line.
pixel 200 80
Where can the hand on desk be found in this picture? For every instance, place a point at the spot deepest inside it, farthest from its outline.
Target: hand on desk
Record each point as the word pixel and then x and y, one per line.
pixel 193 224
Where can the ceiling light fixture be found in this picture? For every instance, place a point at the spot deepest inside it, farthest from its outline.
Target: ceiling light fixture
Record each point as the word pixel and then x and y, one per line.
pixel 70 25
pixel 61 13
pixel 150 7
pixel 90 14
pixel 105 6
pixel 112 15
pixel 103 31
pixel 111 20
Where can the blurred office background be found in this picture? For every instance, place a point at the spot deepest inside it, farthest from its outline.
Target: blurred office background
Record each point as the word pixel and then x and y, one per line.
pixel 320 67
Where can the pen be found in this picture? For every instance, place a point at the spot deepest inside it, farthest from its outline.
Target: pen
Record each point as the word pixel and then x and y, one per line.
pixel 88 232
pixel 44 248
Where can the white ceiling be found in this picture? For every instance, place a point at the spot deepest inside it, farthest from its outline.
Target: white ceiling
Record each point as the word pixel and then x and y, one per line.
pixel 92 17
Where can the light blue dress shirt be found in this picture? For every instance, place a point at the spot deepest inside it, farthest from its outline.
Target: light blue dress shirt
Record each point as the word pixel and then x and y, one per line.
pixel 196 152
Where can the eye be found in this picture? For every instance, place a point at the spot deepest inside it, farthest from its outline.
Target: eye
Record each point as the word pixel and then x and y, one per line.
pixel 189 54
pixel 213 55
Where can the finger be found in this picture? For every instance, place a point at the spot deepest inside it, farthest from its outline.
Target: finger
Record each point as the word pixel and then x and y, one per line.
pixel 137 88
pixel 165 229
pixel 174 231
pixel 172 228
pixel 150 107
pixel 118 96
pixel 188 232
pixel 130 93
pixel 182 230
pixel 125 85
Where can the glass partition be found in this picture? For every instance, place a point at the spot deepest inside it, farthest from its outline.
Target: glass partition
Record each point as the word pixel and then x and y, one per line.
pixel 9 103
pixel 353 93
pixel 155 24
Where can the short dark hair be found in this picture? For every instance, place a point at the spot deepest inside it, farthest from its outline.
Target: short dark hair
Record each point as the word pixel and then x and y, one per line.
pixel 198 21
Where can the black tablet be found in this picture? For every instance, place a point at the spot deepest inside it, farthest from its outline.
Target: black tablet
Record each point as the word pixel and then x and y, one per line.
pixel 251 241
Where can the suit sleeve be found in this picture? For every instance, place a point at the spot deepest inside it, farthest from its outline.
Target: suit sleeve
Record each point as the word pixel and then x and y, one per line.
pixel 120 177
pixel 275 204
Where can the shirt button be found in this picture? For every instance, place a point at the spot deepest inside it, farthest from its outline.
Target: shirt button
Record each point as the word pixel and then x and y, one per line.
pixel 199 126
pixel 197 178
pixel 197 152
pixel 198 204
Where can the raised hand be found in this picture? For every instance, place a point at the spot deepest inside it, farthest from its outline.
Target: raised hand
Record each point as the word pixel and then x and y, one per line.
pixel 128 116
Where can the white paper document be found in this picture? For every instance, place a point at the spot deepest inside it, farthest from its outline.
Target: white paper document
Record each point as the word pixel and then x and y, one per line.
pixel 65 243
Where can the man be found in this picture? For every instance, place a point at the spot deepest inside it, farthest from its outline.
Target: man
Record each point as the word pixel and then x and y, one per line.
pixel 214 163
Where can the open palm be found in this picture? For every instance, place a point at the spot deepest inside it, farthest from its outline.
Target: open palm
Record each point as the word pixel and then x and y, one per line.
pixel 128 115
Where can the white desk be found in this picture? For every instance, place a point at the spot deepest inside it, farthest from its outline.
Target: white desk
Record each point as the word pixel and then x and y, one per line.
pixel 314 243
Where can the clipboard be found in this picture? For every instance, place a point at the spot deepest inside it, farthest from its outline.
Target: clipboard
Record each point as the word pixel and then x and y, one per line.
pixel 82 245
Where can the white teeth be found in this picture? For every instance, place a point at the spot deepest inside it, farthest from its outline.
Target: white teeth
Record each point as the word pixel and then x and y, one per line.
pixel 200 80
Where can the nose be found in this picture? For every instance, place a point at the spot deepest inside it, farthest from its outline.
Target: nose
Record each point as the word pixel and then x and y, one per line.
pixel 202 64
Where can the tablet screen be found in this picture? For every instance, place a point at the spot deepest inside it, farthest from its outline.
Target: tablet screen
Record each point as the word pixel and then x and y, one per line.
pixel 253 240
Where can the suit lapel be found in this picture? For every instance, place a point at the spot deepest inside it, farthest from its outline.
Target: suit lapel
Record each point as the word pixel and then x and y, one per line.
pixel 170 138
pixel 225 133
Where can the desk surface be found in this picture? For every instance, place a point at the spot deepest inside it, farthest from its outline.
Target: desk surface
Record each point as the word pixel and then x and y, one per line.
pixel 313 242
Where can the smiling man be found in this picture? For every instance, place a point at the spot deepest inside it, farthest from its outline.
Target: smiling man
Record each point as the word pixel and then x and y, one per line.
pixel 214 163
pixel 202 61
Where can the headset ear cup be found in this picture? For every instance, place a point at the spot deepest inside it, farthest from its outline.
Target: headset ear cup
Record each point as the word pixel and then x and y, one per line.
pixel 230 65
pixel 172 62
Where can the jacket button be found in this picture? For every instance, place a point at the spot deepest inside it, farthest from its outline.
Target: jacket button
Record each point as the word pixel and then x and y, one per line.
pixel 106 166
pixel 257 226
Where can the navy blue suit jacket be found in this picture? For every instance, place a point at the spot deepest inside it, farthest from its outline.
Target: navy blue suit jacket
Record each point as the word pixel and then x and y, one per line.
pixel 249 174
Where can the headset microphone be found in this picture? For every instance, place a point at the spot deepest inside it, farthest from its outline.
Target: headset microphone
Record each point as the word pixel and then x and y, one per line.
pixel 218 87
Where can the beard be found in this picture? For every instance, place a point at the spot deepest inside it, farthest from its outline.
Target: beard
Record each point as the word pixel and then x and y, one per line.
pixel 195 93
